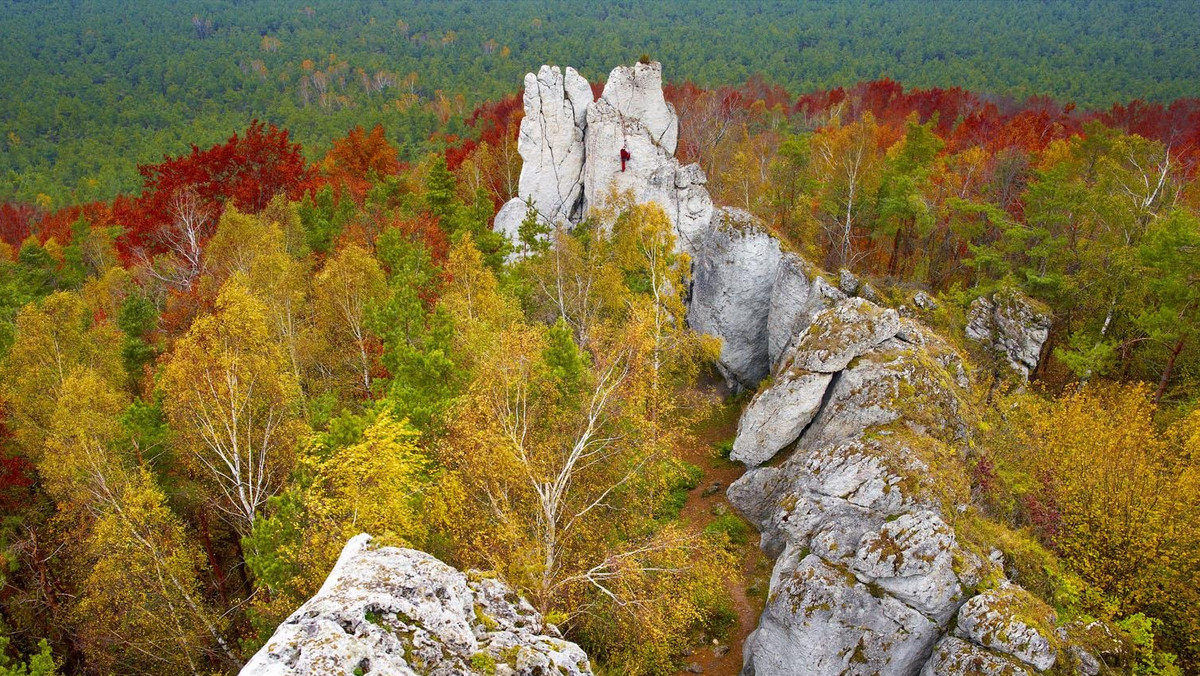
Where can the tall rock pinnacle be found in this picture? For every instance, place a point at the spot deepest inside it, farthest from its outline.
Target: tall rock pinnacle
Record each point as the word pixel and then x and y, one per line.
pixel 572 147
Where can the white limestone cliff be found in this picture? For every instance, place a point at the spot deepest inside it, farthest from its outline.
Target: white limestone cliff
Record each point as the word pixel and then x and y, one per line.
pixel 633 115
pixel 571 152
pixel 551 144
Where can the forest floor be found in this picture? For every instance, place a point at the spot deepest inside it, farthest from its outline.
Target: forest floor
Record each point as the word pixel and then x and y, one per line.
pixel 705 503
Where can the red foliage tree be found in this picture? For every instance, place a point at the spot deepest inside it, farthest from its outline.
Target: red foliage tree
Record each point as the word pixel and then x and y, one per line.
pixel 16 223
pixel 246 170
pixel 352 159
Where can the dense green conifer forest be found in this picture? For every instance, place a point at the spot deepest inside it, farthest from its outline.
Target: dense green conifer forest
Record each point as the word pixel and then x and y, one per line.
pixel 94 88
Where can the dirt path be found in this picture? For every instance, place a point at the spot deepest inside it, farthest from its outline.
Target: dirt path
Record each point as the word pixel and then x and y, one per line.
pixel 703 504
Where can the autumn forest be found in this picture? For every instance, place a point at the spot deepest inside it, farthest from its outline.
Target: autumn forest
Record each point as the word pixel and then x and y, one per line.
pixel 251 304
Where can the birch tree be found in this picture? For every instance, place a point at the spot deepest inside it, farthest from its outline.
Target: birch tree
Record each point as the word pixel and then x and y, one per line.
pixel 232 400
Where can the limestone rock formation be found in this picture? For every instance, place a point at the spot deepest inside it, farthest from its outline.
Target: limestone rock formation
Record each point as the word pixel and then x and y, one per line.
pixel 956 657
pixel 869 573
pixel 777 417
pixel 571 149
pixel 633 116
pixel 733 275
pixel 798 295
pixel 551 144
pixel 402 612
pixel 1009 620
pixel 1010 326
pixel 864 422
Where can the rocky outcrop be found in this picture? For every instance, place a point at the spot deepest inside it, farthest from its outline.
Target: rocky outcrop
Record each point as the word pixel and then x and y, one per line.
pixel 798 295
pixel 400 612
pixel 552 149
pixel 733 275
pixel 956 657
pixel 1010 620
pixel 633 116
pixel 854 480
pixel 869 573
pixel 571 151
pixel 779 414
pixel 1011 328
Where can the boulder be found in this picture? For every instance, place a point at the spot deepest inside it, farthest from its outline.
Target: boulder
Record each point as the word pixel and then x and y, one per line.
pixel 1011 327
pixel 386 610
pixel 956 657
pixel 1010 620
pixel 732 278
pixel 848 282
pixel 798 295
pixel 924 301
pixel 841 333
pixel 820 620
pixel 912 558
pixel 777 416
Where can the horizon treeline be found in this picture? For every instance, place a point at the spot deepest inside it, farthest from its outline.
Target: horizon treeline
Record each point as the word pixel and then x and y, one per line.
pixel 93 89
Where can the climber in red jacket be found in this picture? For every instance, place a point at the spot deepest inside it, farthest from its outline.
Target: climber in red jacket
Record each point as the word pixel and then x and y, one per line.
pixel 624 157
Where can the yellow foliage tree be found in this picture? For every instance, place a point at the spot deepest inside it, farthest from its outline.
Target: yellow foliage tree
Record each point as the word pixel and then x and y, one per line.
pixel 52 340
pixel 142 609
pixel 375 486
pixel 1115 495
pixel 343 293
pixel 255 249
pixel 233 403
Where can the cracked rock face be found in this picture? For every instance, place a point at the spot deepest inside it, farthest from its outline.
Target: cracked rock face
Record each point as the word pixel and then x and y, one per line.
pixel 551 144
pixel 798 295
pixel 571 152
pixel 869 573
pixel 864 423
pixel 632 115
pixel 402 612
pixel 1007 621
pixel 956 657
pixel 1012 327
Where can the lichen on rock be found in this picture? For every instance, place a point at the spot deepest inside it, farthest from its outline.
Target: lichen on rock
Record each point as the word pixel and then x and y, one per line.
pixel 387 610
pixel 1011 328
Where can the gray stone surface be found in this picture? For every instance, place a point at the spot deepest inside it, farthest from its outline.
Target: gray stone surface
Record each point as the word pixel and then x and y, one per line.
pixel 402 612
pixel 632 115
pixel 869 575
pixel 571 149
pixel 1006 620
pixel 836 336
pixel 799 294
pixel 1010 326
pixel 733 276
pixel 956 657
pixel 551 141
pixel 777 416
pixel 820 620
